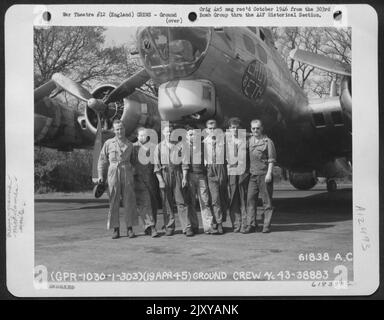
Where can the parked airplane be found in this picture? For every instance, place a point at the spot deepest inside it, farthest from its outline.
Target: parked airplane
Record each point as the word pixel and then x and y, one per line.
pixel 204 73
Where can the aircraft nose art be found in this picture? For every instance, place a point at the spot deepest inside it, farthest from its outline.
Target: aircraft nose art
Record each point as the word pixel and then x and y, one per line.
pixel 254 80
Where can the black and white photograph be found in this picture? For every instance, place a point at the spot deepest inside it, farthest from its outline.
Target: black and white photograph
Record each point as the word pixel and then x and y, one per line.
pixel 192 155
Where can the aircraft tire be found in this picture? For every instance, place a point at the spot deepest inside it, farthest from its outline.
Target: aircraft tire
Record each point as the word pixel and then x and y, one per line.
pixel 331 186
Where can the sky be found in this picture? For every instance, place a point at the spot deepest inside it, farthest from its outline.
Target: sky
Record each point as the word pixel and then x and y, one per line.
pixel 120 35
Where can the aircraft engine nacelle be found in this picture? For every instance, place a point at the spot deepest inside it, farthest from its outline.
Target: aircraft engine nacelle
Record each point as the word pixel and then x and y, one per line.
pixel 47 120
pixel 89 121
pixel 138 109
pixel 126 110
pixel 302 180
pixel 192 100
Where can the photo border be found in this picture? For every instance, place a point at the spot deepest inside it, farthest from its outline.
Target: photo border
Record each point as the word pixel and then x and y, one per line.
pixel 19 20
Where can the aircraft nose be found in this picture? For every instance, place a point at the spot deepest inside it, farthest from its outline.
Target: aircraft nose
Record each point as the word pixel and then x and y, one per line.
pixel 168 53
pixel 186 99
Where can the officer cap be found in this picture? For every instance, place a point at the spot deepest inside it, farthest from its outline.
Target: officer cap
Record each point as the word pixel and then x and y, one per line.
pixel 98 190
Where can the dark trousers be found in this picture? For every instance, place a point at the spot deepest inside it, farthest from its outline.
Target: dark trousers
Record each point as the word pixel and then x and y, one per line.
pixel 258 186
pixel 218 188
pixel 144 203
pixel 154 206
pixel 238 186
pixel 152 186
pixel 173 192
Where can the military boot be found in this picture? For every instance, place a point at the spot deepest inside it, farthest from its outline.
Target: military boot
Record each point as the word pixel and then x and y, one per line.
pixel 266 229
pixel 154 232
pixel 116 233
pixel 189 232
pixel 130 233
pixel 248 229
pixel 169 232
pixel 220 229
pixel 237 229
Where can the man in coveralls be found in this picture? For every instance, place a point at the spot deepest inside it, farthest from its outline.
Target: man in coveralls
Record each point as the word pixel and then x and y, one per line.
pixel 214 155
pixel 172 176
pixel 117 157
pixel 145 182
pixel 262 156
pixel 197 183
pixel 238 175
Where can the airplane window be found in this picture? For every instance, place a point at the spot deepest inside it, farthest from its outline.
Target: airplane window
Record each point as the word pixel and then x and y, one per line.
pixel 249 44
pixel 173 52
pixel 337 118
pixel 262 54
pixel 319 120
pixel 262 36
pixel 160 37
pixel 194 40
pixel 207 93
pixel 253 29
pixel 181 50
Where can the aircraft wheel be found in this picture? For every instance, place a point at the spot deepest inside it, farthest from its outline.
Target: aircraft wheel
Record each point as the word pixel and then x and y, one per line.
pixel 331 185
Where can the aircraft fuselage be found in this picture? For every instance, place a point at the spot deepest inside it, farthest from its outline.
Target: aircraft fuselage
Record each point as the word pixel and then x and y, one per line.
pixel 251 81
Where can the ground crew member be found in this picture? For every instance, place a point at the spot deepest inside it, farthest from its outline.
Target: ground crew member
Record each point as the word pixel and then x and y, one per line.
pixel 145 185
pixel 214 154
pixel 197 183
pixel 238 175
pixel 262 156
pixel 117 157
pixel 172 176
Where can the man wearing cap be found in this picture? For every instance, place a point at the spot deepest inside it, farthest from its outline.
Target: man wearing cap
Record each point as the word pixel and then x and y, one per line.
pixel 172 177
pixel 145 185
pixel 117 159
pixel 214 154
pixel 238 174
pixel 262 156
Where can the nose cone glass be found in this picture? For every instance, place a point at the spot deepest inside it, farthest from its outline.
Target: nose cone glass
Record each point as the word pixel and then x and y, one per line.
pixel 169 53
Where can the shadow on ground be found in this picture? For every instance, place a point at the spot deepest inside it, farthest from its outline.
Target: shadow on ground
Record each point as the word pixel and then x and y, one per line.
pixel 293 211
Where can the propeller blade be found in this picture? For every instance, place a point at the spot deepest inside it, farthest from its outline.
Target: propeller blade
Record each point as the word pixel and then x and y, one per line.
pixel 128 86
pixel 96 150
pixel 79 92
pixel 44 90
pixel 321 62
pixel 71 87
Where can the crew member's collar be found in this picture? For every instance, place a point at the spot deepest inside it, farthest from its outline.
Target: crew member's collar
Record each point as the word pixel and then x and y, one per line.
pixel 124 139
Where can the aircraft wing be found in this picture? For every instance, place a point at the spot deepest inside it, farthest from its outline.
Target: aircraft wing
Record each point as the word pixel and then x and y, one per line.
pixel 321 62
pixel 333 66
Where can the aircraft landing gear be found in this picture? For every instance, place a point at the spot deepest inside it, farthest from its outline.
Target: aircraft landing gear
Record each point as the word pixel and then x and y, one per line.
pixel 331 185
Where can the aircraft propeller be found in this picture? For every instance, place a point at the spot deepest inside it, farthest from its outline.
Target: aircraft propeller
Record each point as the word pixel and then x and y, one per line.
pixel 126 88
pixel 79 92
pixel 44 90
pixel 97 105
pixel 97 149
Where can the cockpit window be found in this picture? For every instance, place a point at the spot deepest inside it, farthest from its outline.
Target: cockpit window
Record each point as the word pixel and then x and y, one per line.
pixel 173 52
pixel 160 39
pixel 249 44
